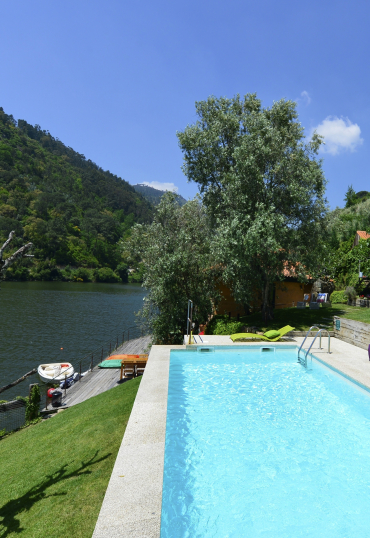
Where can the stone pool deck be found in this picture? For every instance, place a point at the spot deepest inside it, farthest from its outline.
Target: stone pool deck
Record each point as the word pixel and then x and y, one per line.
pixel 132 503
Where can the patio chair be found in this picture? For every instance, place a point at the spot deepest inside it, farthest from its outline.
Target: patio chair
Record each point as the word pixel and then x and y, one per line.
pixel 140 367
pixel 128 368
pixel 240 337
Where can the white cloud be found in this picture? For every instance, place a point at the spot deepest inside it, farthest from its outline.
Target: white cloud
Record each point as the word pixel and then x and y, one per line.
pixel 161 186
pixel 339 134
pixel 305 98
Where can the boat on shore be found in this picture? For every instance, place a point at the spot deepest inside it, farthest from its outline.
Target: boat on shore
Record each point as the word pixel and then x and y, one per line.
pixel 55 372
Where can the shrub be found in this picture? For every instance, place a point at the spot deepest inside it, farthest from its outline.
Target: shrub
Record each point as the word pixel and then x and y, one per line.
pixel 223 325
pixel 351 293
pixel 33 403
pixel 338 297
pixel 105 274
pixel 121 270
pixel 82 275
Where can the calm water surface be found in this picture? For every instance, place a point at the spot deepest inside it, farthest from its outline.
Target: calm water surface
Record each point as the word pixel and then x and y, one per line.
pixel 39 318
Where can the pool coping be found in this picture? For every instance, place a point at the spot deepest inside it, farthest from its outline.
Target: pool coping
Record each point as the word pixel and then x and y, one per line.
pixel 132 503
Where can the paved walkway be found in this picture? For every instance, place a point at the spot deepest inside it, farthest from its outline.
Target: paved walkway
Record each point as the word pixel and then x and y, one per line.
pixel 132 503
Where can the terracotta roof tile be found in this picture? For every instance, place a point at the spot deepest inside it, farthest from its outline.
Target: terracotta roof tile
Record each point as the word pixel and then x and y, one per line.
pixel 363 235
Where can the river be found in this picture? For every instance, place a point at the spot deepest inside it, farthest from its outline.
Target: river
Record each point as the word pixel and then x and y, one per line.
pixel 38 319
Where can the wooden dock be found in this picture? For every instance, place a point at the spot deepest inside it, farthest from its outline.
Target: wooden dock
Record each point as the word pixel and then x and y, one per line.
pixel 100 379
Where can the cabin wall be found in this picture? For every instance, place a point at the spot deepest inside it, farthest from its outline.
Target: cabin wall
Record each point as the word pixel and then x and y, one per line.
pixel 228 303
pixel 288 293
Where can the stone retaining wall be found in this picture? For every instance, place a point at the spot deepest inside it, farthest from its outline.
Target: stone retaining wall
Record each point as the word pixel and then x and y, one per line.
pixel 353 332
pixel 303 333
pixel 359 302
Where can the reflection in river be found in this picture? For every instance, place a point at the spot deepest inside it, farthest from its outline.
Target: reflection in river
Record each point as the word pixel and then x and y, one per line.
pixel 37 319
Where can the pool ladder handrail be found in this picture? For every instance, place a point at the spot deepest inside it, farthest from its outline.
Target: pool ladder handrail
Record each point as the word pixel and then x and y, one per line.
pixel 319 331
pixel 189 321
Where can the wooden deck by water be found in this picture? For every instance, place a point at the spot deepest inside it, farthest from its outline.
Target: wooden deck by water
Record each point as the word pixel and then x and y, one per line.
pixel 101 379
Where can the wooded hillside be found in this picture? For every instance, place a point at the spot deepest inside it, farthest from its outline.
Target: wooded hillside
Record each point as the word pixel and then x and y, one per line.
pixel 73 211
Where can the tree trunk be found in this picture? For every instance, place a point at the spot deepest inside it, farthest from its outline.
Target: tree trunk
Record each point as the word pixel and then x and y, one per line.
pixel 21 253
pixel 267 311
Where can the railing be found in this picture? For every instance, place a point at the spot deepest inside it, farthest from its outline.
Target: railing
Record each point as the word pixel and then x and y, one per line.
pixel 12 416
pixel 85 364
pixel 189 321
pixel 97 355
pixel 303 361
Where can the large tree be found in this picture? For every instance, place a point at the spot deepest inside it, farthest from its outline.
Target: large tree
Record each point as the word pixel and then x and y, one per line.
pixel 264 188
pixel 175 251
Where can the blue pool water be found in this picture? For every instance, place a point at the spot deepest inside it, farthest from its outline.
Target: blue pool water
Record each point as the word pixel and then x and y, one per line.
pixel 257 446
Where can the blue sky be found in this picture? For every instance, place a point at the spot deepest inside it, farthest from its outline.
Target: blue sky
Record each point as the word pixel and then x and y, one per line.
pixel 115 80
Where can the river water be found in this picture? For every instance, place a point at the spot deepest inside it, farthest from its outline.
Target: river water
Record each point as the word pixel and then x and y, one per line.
pixel 37 319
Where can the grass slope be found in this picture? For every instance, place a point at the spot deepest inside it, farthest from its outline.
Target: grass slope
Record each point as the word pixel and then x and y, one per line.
pixel 55 474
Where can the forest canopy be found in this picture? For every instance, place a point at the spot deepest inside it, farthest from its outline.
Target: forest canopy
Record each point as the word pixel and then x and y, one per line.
pixel 66 205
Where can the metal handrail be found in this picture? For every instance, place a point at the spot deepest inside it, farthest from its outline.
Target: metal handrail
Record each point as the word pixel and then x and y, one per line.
pixel 312 343
pixel 189 320
pixel 305 338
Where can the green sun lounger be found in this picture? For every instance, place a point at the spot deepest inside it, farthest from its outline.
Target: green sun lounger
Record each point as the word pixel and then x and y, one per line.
pixel 240 337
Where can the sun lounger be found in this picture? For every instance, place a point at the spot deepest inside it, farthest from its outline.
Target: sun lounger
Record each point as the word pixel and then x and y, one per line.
pixel 240 337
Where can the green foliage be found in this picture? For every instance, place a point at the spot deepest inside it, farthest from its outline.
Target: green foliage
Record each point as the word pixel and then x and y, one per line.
pixel 350 197
pixel 343 223
pixel 122 271
pixel 338 297
pixel 138 275
pixel 264 188
pixel 33 404
pixel 82 275
pixel 223 325
pixel 345 261
pixel 175 253
pixel 73 212
pixel 351 293
pixel 105 274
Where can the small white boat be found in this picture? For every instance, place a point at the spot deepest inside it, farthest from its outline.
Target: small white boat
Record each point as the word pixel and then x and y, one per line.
pixel 55 372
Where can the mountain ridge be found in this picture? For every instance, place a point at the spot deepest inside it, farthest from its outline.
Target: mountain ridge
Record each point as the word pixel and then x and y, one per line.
pixel 154 195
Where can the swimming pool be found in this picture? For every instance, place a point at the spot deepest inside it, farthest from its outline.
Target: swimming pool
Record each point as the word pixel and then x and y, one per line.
pixel 258 446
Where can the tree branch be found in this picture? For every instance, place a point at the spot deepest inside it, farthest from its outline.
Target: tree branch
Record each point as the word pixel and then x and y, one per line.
pixel 18 380
pixel 6 244
pixel 21 253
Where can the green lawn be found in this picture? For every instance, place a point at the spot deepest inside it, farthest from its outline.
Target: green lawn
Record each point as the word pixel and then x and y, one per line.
pixel 54 475
pixel 303 319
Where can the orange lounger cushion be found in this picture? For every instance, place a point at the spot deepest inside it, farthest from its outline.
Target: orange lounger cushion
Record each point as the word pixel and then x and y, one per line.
pixel 122 357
